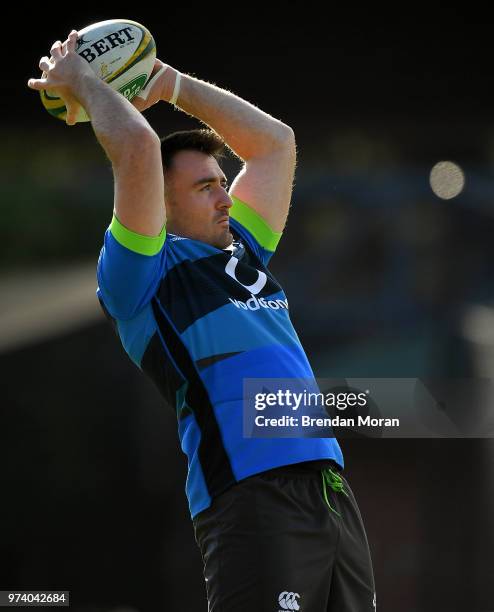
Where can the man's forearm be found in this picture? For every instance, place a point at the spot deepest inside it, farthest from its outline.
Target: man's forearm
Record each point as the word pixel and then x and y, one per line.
pixel 249 131
pixel 114 120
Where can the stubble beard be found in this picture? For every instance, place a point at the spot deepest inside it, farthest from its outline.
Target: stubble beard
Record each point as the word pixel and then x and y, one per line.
pixel 224 240
pixel 220 240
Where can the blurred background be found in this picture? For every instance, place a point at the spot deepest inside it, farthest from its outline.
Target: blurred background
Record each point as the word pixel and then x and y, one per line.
pixel 387 275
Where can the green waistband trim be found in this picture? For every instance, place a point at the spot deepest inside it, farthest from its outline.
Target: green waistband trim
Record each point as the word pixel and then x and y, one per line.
pixel 145 245
pixel 256 225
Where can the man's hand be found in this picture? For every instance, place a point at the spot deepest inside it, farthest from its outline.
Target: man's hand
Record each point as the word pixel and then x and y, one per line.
pixel 159 87
pixel 61 74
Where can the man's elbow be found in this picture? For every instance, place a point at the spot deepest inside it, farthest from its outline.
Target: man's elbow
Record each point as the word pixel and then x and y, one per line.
pixel 285 138
pixel 147 137
pixel 140 143
pixel 287 142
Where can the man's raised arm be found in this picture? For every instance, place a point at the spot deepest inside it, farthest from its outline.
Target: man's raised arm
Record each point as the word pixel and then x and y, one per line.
pixel 265 144
pixel 127 138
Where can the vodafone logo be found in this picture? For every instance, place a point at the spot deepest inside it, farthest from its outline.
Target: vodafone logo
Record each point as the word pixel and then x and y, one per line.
pixel 288 600
pixel 256 287
pixel 254 303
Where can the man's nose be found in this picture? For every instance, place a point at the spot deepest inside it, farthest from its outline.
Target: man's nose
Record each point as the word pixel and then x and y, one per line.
pixel 225 201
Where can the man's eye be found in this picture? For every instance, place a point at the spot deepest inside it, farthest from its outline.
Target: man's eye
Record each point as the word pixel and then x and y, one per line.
pixel 207 187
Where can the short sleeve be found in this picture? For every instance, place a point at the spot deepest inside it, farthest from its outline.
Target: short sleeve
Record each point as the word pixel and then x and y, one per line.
pixel 252 228
pixel 130 268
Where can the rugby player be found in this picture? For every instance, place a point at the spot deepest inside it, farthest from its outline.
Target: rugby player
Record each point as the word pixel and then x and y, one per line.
pixel 183 276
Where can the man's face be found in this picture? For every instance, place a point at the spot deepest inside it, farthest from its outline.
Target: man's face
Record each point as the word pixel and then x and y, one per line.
pixel 196 200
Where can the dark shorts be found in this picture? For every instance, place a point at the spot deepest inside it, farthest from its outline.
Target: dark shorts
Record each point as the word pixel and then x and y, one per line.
pixel 286 539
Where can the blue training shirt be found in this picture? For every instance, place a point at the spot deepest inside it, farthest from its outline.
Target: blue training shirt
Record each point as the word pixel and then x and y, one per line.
pixel 198 320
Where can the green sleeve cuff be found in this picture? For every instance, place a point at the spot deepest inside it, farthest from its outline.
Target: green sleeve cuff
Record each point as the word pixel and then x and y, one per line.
pixel 144 245
pixel 257 226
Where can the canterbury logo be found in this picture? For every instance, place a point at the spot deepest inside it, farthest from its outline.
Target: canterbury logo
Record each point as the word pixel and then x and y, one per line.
pixel 288 601
pixel 255 288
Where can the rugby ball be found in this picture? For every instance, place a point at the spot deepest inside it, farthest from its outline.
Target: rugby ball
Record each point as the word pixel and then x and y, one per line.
pixel 120 52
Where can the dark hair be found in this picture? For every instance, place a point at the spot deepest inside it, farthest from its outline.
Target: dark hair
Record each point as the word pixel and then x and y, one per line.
pixel 203 140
